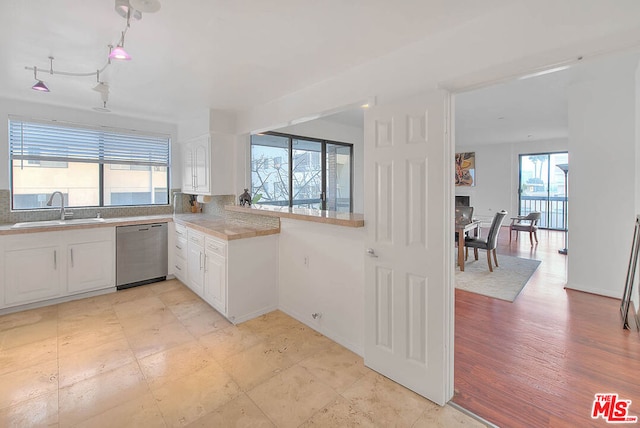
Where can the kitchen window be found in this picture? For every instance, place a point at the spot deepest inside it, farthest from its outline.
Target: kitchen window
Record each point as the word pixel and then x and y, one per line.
pixel 288 170
pixel 91 166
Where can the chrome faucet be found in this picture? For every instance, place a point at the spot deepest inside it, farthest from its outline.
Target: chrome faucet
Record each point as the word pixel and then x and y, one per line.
pixel 57 192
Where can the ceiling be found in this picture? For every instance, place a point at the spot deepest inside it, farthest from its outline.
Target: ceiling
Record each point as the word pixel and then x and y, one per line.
pixel 531 109
pixel 527 109
pixel 520 110
pixel 207 53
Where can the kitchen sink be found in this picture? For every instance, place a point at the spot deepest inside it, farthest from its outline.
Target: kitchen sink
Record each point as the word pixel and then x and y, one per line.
pixel 52 223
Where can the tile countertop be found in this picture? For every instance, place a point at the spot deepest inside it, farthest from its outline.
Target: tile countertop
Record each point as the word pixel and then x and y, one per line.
pixel 306 214
pixel 215 226
pixel 223 229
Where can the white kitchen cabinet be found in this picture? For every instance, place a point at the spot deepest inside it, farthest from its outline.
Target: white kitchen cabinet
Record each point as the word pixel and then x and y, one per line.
pixel 180 252
pixel 215 276
pixel 252 277
pixel 196 158
pixel 90 259
pixel 195 261
pixel 207 165
pixel 238 278
pixel 2 270
pixel 54 265
pixel 34 268
pixel 188 169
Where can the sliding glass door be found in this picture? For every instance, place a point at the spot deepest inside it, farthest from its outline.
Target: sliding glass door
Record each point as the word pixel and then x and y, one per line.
pixel 320 175
pixel 542 187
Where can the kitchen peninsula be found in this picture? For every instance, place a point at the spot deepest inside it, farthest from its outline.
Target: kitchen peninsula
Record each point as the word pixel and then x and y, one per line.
pixel 320 269
pixel 308 263
pixel 47 262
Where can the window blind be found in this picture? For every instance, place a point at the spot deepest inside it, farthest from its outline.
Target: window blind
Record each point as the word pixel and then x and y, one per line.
pixel 31 140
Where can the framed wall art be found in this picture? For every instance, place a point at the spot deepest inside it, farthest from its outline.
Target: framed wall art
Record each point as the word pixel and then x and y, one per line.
pixel 465 169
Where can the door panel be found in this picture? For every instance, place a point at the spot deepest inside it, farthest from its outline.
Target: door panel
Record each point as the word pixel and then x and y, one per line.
pixel 409 274
pixel 33 274
pixel 90 266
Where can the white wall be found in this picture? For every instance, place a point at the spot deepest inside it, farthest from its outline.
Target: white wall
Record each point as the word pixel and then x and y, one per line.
pixel 503 43
pixel 325 129
pixel 85 117
pixel 497 175
pixel 602 177
pixel 330 282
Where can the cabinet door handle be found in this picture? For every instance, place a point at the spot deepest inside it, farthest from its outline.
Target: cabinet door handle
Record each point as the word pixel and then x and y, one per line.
pixel 205 262
pixel 178 247
pixel 72 257
pixel 178 267
pixel 200 261
pixel 55 259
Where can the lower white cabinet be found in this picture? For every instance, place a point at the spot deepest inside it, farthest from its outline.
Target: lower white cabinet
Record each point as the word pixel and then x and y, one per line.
pixel 252 277
pixel 48 265
pixel 90 260
pixel 238 278
pixel 195 261
pixel 215 277
pixel 180 250
pixel 34 268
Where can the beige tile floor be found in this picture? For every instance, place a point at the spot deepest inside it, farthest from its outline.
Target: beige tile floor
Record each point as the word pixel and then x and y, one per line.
pixel 157 355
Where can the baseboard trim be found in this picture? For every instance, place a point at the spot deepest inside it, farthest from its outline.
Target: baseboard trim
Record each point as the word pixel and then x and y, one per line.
pixel 339 339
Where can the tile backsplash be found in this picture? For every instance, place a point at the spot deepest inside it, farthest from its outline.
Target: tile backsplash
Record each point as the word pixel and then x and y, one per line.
pixel 213 208
pixel 8 216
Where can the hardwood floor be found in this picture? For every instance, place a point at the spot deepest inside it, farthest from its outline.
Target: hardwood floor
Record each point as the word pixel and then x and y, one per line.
pixel 539 361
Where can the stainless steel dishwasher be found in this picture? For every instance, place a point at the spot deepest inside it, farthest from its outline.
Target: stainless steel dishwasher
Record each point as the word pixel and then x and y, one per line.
pixel 141 254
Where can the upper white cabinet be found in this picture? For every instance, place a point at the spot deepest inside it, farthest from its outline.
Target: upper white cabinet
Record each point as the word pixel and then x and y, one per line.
pixel 207 165
pixel 196 172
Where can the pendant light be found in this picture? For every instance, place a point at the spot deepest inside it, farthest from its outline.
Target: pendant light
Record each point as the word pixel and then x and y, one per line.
pixel 39 86
pixel 118 52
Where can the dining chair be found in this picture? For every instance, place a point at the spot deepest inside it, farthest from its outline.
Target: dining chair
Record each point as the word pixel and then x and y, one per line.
pixel 488 244
pixel 463 215
pixel 527 223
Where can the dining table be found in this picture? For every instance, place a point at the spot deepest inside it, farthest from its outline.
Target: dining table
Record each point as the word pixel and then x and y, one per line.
pixel 462 228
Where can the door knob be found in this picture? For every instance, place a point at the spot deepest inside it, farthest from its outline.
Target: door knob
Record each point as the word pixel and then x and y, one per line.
pixel 371 252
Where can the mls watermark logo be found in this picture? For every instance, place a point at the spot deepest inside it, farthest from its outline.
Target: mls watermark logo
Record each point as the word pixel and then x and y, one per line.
pixel 612 409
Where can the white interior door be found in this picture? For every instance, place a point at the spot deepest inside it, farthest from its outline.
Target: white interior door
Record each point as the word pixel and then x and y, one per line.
pixel 408 272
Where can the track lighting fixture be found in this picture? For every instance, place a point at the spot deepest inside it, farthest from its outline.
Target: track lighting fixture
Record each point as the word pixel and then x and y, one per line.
pixel 123 8
pixel 127 9
pixel 118 52
pixel 39 86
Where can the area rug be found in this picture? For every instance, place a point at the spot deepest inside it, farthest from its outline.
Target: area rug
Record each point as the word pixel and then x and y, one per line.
pixel 505 282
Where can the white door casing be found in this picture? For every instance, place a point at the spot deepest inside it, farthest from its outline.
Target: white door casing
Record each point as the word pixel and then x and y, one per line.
pixel 409 297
